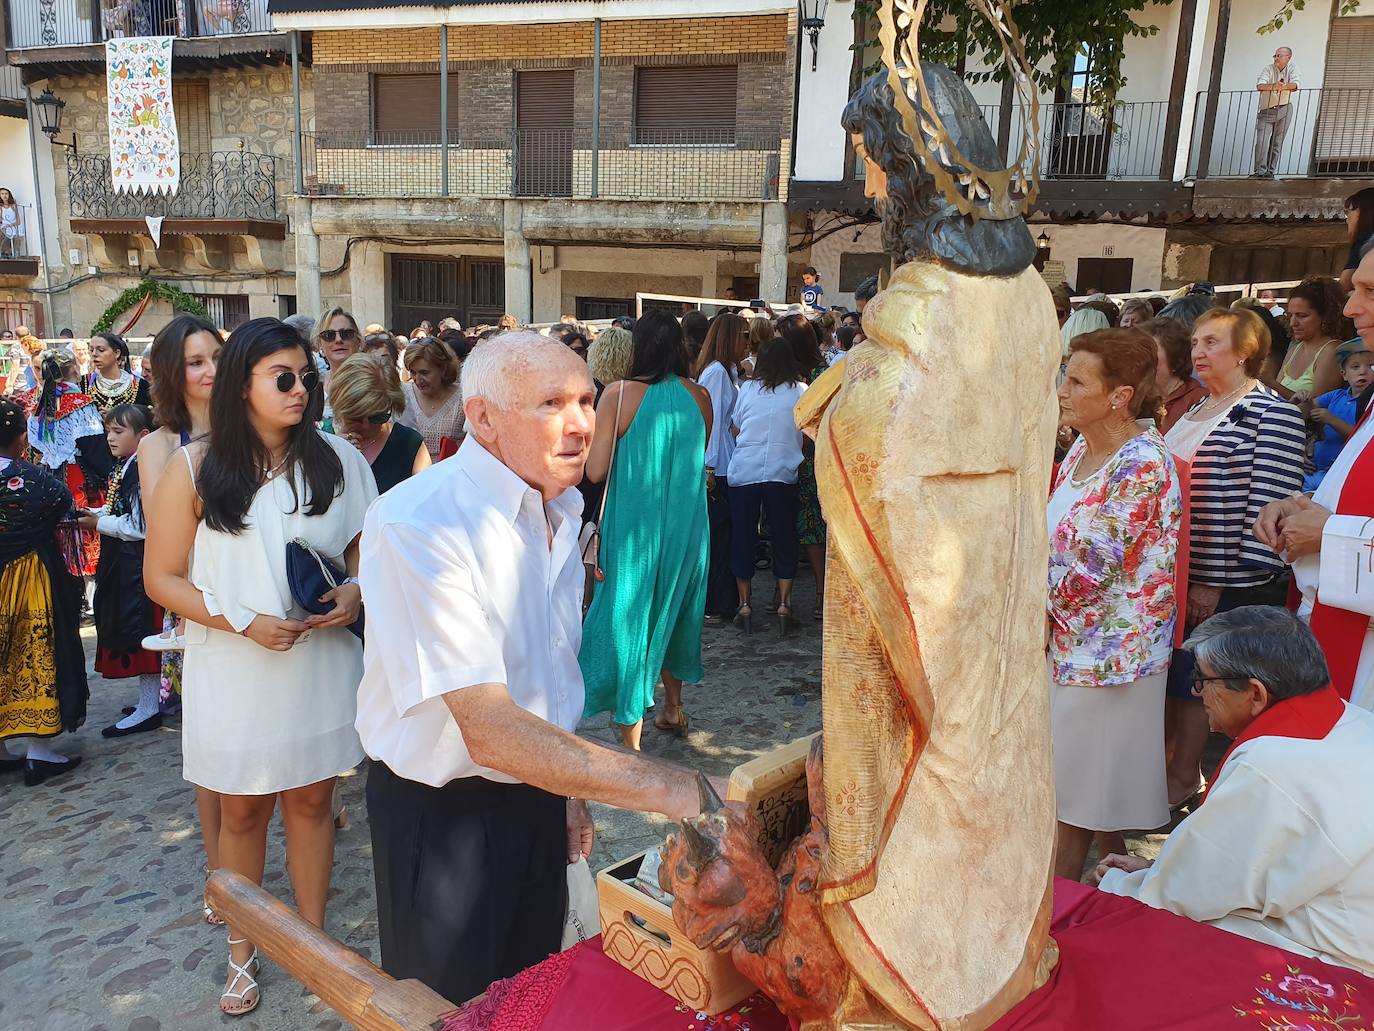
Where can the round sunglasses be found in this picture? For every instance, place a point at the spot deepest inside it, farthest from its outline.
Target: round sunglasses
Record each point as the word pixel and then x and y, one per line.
pixel 286 381
pixel 328 335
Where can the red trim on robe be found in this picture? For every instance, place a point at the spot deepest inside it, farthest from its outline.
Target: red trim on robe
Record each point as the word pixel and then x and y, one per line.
pixel 1308 717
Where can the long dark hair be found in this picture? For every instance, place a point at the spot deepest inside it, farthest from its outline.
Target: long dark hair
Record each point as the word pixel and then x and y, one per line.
pixel 658 348
pixel 167 358
pixel 119 345
pixel 727 342
pixel 776 366
pixel 1363 202
pixel 801 336
pixel 917 222
pixel 236 461
pixel 54 370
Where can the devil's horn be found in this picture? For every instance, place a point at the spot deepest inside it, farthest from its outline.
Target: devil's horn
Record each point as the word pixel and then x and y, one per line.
pixel 710 801
pixel 701 849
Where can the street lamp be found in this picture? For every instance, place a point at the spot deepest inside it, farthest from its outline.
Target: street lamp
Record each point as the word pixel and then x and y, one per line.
pixel 812 21
pixel 49 113
pixel 1043 240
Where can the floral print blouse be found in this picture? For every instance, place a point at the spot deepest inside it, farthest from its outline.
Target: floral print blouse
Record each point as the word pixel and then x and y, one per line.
pixel 1112 601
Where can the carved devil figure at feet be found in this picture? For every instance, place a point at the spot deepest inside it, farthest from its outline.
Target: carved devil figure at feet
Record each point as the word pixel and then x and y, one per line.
pixel 726 896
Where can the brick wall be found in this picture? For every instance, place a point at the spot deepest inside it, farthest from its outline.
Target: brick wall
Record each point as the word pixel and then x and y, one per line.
pixel 484 58
pixel 747 35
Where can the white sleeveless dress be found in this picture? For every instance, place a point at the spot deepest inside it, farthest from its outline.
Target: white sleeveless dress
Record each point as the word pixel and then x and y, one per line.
pixel 255 721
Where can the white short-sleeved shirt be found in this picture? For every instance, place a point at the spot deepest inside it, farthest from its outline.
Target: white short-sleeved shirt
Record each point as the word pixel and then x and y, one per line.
pixel 463 587
pixel 769 446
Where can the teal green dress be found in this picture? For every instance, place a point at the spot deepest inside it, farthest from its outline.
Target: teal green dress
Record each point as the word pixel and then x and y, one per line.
pixel 646 615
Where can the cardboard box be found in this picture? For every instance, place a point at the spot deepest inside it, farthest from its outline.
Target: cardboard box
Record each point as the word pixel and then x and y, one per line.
pixel 638 931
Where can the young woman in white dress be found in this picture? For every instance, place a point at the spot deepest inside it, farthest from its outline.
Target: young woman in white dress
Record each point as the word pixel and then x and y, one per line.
pixel 270 692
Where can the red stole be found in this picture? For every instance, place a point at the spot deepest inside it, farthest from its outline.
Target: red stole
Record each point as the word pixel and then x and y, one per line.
pixel 1309 717
pixel 1340 632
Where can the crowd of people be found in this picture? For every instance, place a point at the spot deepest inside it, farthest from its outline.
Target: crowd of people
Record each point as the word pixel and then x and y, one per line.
pixel 223 507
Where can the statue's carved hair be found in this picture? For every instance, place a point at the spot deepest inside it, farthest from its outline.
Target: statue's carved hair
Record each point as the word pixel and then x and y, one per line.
pixel 917 222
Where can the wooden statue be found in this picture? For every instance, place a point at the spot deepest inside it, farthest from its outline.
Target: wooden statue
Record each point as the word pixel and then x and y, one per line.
pixel 934 439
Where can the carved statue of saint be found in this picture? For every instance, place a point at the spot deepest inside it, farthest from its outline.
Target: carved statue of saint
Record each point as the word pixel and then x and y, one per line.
pixel 936 884
pixel 930 866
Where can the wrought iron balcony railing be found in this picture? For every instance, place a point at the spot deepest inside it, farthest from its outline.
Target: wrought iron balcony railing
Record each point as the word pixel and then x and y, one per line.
pixel 1325 133
pixel 64 23
pixel 695 165
pixel 223 184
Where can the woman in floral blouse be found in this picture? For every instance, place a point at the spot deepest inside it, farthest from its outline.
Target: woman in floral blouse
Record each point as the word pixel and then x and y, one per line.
pixel 1114 519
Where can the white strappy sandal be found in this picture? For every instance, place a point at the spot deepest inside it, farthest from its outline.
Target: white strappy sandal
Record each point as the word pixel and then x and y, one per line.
pixel 233 992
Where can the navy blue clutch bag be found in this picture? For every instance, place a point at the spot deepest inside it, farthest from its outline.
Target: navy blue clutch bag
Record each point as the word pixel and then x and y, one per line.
pixel 310 575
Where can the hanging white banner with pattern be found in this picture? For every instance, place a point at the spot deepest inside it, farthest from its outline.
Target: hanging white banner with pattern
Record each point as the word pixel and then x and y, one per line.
pixel 145 155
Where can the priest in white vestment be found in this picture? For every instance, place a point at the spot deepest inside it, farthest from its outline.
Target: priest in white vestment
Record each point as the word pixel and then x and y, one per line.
pixel 1278 851
pixel 1329 537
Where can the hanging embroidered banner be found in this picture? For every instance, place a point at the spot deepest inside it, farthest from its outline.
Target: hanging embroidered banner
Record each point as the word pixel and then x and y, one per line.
pixel 145 155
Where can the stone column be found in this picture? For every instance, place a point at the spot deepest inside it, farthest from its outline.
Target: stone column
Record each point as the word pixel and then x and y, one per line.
pixel 307 261
pixel 773 252
pixel 519 284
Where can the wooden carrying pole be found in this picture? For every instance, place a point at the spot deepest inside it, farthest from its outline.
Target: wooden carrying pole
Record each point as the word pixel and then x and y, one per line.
pixel 363 994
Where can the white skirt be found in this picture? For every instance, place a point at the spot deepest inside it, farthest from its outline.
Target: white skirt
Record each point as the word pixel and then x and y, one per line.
pixel 1109 755
pixel 255 722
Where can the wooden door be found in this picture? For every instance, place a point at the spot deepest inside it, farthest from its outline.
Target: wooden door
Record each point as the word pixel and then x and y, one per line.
pixel 543 133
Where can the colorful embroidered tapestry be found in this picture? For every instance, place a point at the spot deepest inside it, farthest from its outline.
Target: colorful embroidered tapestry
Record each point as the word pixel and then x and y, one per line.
pixel 144 153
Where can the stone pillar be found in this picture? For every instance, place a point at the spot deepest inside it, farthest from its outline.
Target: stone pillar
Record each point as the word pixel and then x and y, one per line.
pixel 519 285
pixel 307 262
pixel 773 252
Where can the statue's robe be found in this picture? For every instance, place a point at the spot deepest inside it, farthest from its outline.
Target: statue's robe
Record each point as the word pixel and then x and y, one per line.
pixel 934 442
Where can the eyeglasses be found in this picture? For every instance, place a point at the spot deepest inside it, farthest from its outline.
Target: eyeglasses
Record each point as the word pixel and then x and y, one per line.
pixel 346 335
pixel 1200 682
pixel 286 381
pixel 379 418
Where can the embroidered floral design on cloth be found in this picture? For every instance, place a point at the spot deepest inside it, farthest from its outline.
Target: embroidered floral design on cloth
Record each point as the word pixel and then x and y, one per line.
pixel 1123 529
pixel 1294 1001
pixel 144 152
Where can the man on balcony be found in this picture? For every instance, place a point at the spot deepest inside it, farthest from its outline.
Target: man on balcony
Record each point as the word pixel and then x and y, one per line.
pixel 1276 84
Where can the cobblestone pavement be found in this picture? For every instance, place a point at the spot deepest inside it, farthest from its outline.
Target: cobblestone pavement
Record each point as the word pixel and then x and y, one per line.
pixel 100 870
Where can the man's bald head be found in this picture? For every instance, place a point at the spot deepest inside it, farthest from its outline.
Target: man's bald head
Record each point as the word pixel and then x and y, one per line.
pixel 529 401
pixel 499 368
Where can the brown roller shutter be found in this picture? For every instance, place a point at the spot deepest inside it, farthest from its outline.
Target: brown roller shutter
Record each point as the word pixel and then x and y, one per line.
pixel 544 133
pixel 544 100
pixel 191 108
pixel 676 104
pixel 409 104
pixel 1345 120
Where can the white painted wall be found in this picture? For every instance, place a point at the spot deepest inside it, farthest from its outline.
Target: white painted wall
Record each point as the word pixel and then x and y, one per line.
pixel 821 96
pixel 16 173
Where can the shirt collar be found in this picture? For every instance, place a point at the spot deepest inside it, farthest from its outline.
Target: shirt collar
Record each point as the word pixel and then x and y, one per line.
pixel 1309 717
pixel 503 488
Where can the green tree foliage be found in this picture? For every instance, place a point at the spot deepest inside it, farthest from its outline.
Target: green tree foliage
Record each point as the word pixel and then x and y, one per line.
pixel 1291 7
pixel 1055 33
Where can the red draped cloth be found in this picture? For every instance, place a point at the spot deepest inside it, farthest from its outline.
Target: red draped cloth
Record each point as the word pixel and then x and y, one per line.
pixel 1122 966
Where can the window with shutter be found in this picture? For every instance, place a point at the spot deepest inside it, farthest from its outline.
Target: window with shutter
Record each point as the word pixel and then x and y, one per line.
pixel 191 107
pixel 228 311
pixel 1345 119
pixel 677 105
pixel 405 108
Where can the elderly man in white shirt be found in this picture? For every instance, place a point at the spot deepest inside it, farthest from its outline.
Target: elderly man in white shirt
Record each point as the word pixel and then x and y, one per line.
pixel 1282 848
pixel 471 689
pixel 1276 85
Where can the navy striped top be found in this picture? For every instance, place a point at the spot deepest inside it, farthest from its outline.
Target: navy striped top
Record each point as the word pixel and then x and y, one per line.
pixel 1254 456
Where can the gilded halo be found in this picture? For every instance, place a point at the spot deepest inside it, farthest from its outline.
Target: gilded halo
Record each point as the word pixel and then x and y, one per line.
pixel 999 194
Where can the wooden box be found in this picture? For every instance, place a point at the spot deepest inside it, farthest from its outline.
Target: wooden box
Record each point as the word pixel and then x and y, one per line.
pixel 638 931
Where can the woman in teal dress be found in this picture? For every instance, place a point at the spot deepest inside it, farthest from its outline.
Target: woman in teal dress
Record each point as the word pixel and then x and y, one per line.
pixel 645 618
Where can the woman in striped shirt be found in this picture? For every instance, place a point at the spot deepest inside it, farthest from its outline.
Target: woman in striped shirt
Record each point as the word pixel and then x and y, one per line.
pixel 1245 448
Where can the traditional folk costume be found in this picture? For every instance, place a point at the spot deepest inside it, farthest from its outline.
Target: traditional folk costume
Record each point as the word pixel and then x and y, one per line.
pixel 124 389
pixel 1337 584
pixel 43 687
pixel 71 442
pixel 1312 892
pixel 123 613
